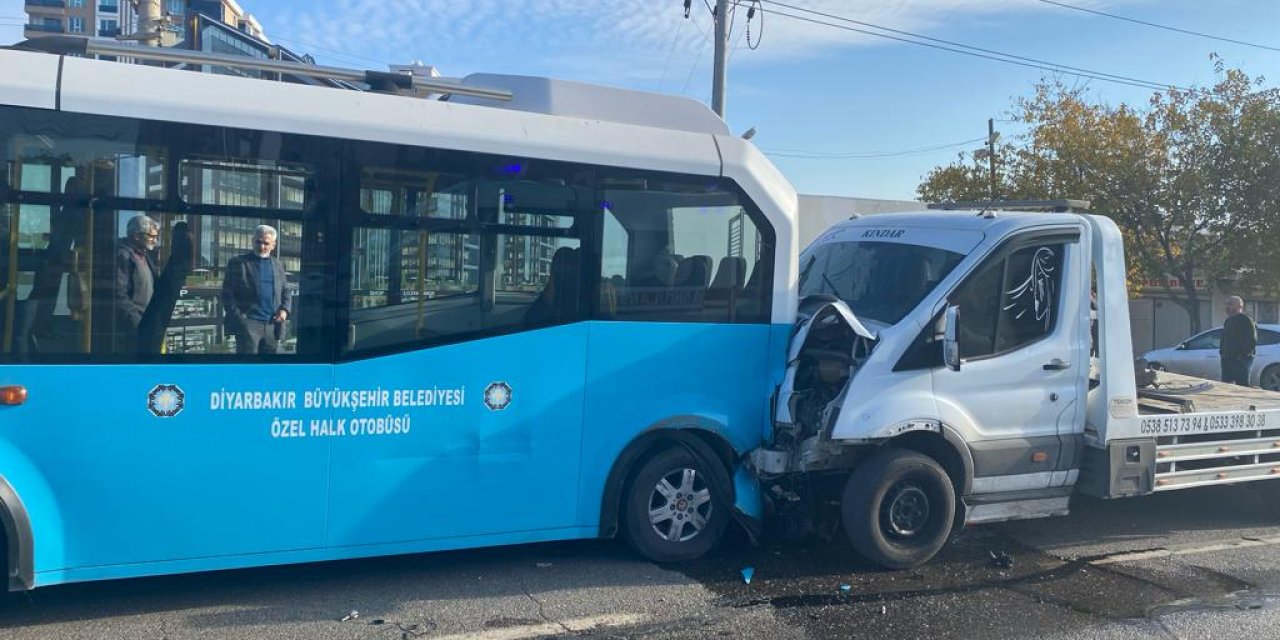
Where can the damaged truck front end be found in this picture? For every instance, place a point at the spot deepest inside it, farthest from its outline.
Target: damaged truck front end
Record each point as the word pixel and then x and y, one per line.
pixel 857 441
pixel 828 348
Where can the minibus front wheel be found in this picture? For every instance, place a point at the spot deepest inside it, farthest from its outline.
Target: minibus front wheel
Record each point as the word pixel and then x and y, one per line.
pixel 898 508
pixel 674 508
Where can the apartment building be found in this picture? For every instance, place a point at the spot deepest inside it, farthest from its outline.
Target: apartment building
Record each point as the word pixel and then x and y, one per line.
pixel 119 18
pixel 74 17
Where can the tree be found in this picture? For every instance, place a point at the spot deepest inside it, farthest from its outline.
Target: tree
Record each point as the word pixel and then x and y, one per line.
pixel 1192 178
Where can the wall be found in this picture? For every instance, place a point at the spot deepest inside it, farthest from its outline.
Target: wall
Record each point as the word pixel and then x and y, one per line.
pixel 817 213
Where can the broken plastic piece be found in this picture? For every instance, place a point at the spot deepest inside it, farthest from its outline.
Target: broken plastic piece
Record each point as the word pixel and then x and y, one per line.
pixel 747 574
pixel 543 565
pixel 1001 559
pixel 845 587
pixel 351 616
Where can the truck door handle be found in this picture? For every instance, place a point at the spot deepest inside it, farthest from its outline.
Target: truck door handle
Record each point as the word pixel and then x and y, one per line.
pixel 1057 365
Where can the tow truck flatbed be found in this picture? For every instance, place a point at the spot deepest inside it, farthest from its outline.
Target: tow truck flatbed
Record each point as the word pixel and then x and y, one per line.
pixel 1210 432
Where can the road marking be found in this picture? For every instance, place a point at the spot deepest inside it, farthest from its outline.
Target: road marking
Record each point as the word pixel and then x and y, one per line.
pixel 1138 556
pixel 575 625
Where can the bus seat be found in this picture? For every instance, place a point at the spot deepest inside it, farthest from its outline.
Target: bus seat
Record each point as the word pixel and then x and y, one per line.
pixel 753 283
pixel 729 278
pixel 694 272
pixel 558 300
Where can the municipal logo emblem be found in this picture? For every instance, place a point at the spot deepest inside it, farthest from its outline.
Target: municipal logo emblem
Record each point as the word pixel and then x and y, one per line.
pixel 166 400
pixel 497 396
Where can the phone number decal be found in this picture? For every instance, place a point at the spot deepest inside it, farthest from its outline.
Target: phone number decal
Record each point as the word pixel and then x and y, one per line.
pixel 1173 425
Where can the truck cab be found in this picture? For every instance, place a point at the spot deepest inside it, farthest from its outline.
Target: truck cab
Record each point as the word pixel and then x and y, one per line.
pixel 967 366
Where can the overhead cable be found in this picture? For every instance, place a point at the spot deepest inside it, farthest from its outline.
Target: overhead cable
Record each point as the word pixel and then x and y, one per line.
pixel 1189 32
pixel 818 155
pixel 963 49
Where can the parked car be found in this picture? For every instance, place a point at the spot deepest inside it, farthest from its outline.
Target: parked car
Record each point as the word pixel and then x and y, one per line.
pixel 1198 356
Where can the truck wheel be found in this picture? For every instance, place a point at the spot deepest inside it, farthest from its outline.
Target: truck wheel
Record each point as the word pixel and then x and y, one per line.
pixel 898 508
pixel 672 513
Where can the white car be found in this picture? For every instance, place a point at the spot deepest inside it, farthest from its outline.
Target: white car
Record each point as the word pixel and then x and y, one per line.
pixel 1198 356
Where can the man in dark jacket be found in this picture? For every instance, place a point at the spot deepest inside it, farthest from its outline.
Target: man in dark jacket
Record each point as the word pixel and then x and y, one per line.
pixel 1239 342
pixel 255 297
pixel 135 277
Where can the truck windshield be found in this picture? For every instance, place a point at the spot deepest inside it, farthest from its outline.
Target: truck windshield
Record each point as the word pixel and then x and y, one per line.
pixel 880 281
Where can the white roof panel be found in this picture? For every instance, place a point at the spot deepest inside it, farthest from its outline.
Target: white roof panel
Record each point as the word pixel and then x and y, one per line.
pixel 111 88
pixel 594 102
pixel 29 79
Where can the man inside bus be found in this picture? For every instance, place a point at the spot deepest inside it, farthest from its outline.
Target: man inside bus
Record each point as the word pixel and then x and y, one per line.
pixel 135 276
pixel 255 297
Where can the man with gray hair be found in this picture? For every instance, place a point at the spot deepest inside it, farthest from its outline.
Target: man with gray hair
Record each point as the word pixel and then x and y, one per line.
pixel 1239 343
pixel 255 297
pixel 135 277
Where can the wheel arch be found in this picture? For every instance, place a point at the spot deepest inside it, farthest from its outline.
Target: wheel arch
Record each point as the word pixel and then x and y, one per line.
pixel 948 449
pixel 15 525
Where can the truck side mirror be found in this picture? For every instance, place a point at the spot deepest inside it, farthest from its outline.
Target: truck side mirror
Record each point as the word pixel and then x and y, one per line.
pixel 951 338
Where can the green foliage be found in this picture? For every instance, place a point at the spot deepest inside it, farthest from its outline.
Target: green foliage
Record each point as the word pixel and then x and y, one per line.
pixel 1192 177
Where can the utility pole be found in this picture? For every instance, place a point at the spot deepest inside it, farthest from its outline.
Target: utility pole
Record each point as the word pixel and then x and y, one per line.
pixel 721 57
pixel 992 136
pixel 150 23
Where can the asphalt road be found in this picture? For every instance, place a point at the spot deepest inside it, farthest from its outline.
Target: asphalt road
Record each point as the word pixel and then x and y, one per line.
pixel 1192 564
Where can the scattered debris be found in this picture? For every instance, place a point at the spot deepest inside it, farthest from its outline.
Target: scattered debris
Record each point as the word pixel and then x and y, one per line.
pixel 747 574
pixel 1001 560
pixel 350 616
pixel 377 621
pixel 884 610
pixel 845 587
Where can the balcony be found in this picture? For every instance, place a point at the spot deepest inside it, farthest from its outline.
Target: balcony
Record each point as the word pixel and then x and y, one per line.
pixel 44 27
pixel 45 6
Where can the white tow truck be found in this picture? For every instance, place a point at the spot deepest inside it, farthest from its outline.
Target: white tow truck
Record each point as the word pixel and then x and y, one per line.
pixel 974 365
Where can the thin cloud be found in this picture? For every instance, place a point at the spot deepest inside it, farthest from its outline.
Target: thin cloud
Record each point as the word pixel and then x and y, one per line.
pixel 592 39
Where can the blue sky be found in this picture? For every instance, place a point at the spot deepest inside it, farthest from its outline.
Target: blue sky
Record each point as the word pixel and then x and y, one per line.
pixel 808 89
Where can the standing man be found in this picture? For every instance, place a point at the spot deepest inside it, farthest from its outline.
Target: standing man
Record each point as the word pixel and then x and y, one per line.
pixel 1239 341
pixel 254 296
pixel 135 278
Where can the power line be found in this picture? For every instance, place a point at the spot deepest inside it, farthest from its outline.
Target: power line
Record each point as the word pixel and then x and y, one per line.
pixel 816 155
pixel 706 36
pixel 1160 26
pixel 332 52
pixel 968 49
pixel 964 49
pixel 675 39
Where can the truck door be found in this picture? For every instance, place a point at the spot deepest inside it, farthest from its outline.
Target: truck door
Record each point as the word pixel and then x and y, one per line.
pixel 1024 350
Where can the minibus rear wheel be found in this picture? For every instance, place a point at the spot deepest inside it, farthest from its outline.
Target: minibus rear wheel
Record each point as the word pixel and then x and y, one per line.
pixel 898 508
pixel 673 512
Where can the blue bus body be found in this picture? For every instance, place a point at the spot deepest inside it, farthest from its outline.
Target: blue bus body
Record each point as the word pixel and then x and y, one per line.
pixel 478 354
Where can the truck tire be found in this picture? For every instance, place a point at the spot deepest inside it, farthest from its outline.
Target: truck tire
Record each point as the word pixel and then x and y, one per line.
pixel 898 508
pixel 672 512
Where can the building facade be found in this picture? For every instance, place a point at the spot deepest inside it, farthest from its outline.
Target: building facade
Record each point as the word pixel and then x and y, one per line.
pixel 1159 321
pixel 46 18
pixel 119 18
